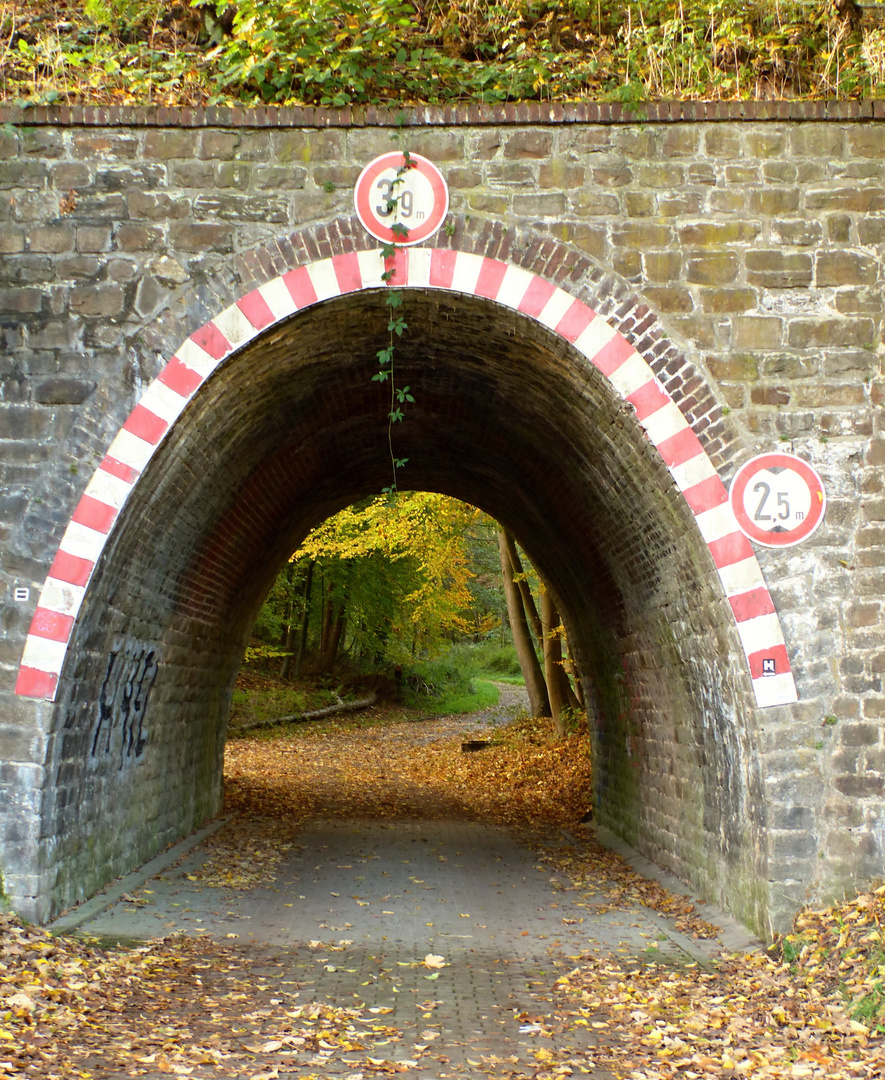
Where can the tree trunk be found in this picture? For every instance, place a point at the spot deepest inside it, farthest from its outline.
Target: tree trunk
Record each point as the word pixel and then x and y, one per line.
pixel 305 622
pixel 553 660
pixel 289 632
pixel 522 639
pixel 330 653
pixel 334 621
pixel 288 642
pixel 556 665
pixel 528 601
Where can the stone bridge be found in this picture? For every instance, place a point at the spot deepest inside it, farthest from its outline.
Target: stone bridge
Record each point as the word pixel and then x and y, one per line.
pixel 619 312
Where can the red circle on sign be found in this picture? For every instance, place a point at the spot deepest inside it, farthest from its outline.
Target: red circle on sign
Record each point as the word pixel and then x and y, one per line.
pixel 421 193
pixel 778 499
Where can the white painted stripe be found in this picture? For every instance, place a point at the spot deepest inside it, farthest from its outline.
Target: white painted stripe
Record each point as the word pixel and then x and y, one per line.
pixel 717 522
pixel 325 282
pixel 595 336
pixel 190 353
pixel 763 632
pixel 692 472
pixel 775 690
pixel 632 375
pixel 467 271
pixel 664 423
pixel 741 576
pixel 131 450
pixel 514 286
pixel 44 654
pixel 278 298
pixel 108 489
pixel 235 326
pixel 555 308
pixel 83 542
pixel 371 264
pixel 163 401
pixel 419 267
pixel 62 597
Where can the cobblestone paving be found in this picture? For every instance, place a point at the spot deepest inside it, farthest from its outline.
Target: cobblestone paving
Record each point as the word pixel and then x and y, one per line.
pixel 358 909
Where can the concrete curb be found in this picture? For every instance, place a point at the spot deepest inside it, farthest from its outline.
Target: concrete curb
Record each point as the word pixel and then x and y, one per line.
pixel 108 897
pixel 734 936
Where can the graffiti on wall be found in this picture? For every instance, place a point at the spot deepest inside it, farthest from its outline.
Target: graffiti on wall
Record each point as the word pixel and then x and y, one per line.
pixel 122 702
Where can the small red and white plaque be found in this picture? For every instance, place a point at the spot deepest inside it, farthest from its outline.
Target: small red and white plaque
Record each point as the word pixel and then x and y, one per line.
pixel 778 499
pixel 415 196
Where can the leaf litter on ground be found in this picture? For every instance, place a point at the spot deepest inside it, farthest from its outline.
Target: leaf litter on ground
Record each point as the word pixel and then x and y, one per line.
pixel 812 1006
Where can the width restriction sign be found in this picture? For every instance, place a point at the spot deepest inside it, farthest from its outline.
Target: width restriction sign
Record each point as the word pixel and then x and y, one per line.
pixel 778 499
pixel 419 202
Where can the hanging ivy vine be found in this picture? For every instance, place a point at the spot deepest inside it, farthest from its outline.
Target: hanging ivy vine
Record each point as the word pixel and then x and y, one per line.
pixel 396 324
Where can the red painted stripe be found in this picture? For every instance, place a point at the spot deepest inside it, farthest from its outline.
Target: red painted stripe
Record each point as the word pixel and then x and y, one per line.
pixel 575 321
pixel 51 624
pixel 36 684
pixel 778 653
pixel 442 268
pixel 71 568
pixel 94 514
pixel 730 549
pixel 613 354
pixel 750 605
pixel 398 262
pixel 490 277
pixel 347 271
pixel 120 469
pixel 648 399
pixel 211 340
pixel 536 296
pixel 300 286
pixel 706 495
pixel 681 447
pixel 146 425
pixel 180 378
pixel 254 307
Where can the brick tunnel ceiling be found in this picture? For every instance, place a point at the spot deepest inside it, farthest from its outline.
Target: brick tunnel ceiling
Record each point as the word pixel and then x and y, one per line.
pixel 507 416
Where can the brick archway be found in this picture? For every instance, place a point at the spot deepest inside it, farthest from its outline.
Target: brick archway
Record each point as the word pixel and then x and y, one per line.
pixel 467 273
pixel 553 417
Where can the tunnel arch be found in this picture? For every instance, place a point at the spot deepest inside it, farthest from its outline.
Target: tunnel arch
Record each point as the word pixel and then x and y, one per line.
pixel 530 405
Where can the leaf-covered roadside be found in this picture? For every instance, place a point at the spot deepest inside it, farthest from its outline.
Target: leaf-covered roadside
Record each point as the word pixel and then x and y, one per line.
pixel 345 52
pixel 172 1007
pixel 205 1007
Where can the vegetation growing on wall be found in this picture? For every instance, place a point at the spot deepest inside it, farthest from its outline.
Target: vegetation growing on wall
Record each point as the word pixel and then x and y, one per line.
pixel 345 52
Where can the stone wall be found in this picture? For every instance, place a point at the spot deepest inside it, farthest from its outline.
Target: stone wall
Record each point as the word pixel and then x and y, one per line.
pixel 738 248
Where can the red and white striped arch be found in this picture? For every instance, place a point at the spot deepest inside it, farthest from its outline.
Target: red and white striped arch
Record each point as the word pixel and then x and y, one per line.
pixel 476 275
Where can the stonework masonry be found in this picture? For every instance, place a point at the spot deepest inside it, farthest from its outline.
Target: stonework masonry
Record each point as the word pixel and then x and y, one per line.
pixel 738 249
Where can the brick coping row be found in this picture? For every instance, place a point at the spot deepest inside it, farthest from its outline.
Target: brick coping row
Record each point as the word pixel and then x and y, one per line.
pixel 529 112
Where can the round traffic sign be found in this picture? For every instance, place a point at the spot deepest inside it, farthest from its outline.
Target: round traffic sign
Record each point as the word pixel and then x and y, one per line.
pixel 778 499
pixel 391 190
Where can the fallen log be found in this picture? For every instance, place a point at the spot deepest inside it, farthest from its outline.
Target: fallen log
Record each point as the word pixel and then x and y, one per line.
pixel 340 706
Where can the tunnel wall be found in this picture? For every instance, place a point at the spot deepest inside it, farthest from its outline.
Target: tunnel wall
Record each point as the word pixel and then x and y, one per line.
pixel 750 246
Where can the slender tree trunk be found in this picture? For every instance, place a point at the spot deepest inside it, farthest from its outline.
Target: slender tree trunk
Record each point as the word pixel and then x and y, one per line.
pixel 553 660
pixel 328 621
pixel 522 639
pixel 305 621
pixel 336 633
pixel 288 642
pixel 528 601
pixel 289 632
pixel 334 621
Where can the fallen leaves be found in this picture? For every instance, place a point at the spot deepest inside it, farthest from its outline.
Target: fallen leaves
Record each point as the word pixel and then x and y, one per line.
pixel 748 1014
pixel 205 1007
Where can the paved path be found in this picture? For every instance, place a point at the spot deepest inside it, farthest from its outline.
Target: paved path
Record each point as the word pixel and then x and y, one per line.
pixel 356 908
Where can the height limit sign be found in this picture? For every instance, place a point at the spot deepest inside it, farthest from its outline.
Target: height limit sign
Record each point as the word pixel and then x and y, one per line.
pixel 778 499
pixel 395 190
